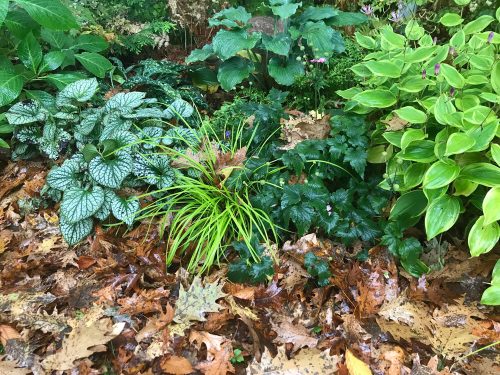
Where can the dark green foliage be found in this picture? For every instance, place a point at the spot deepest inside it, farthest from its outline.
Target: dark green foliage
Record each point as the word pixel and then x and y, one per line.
pixel 246 269
pixel 317 268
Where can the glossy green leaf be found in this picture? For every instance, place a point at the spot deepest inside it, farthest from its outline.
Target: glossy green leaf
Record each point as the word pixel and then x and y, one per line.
pixel 420 151
pixel 285 10
pixel 414 175
pixel 11 84
pixel 482 173
pixel 491 205
pixel 200 54
pixel 384 68
pixel 51 61
pixel 409 205
pixel 458 143
pixel 90 43
pixel 464 187
pixel 96 64
pixel 491 296
pixel 365 41
pixel 412 115
pixel 441 215
pixel 376 98
pixel 322 39
pixel 452 76
pixel 451 19
pixel 440 174
pixel 234 71
pixel 285 73
pixel 495 153
pixel 227 43
pixel 458 39
pixel 51 14
pixel 482 238
pixel 278 44
pixel 30 52
pixel 4 8
pixel 495 77
pixel 479 24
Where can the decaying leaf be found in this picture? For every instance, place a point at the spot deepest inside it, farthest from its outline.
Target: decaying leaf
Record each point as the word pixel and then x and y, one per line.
pixel 212 342
pixel 19 303
pixel 177 366
pixel 395 123
pixel 11 368
pixel 7 333
pixel 300 127
pixel 194 303
pixel 314 360
pixel 82 342
pixel 355 365
pixel 290 333
pixel 221 362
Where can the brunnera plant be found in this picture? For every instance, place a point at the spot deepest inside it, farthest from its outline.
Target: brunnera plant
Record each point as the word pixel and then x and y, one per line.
pixel 437 132
pixel 280 55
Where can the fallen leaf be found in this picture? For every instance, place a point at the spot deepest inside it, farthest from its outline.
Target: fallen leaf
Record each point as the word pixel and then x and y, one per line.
pixel 7 333
pixel 295 334
pixel 303 127
pixel 395 123
pixel 177 366
pixel 11 368
pixel 212 342
pixel 221 363
pixel 241 311
pixel 314 360
pixel 355 365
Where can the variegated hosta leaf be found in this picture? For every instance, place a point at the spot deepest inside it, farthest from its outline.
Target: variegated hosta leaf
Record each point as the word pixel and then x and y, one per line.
pixel 26 112
pixel 111 172
pixel 105 209
pixel 81 91
pixel 79 203
pixel 75 232
pixel 125 209
pixel 113 123
pixel 154 170
pixel 125 102
pixel 178 108
pixel 151 136
pixel 87 124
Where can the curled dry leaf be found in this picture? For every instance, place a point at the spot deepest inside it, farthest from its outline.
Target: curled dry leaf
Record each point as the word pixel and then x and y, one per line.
pixel 177 366
pixel 221 362
pixel 355 365
pixel 7 333
pixel 289 333
pixel 212 342
pixel 300 127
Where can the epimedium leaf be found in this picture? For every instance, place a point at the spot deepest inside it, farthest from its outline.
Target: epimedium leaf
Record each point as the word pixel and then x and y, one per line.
pixel 491 203
pixel 51 14
pixel 234 71
pixel 79 203
pixel 112 171
pixel 287 72
pixel 30 52
pixel 124 209
pixel 96 64
pixel 482 238
pixel 441 215
pixel 75 232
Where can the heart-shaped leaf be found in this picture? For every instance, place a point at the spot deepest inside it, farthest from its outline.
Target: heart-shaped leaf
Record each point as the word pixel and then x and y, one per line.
pixel 125 209
pixel 111 172
pixel 75 232
pixel 79 203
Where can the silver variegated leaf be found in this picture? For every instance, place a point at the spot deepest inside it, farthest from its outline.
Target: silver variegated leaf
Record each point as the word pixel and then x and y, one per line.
pixel 154 170
pixel 151 136
pixel 87 124
pixel 125 209
pixel 145 113
pixel 26 112
pixel 75 232
pixel 178 108
pixel 105 209
pixel 125 102
pixel 63 177
pixel 79 203
pixel 111 172
pixel 113 123
pixel 81 91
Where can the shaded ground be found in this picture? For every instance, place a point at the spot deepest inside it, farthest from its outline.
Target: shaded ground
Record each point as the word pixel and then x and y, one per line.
pixel 107 306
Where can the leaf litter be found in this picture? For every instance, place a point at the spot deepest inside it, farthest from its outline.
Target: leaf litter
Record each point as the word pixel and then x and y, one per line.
pixel 109 306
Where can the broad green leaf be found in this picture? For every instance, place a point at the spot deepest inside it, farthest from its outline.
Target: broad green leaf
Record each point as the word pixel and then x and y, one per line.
pixel 321 38
pixel 81 91
pixel 412 115
pixel 4 144
pixel 318 14
pixel 414 175
pixel 51 14
pixel 112 171
pixel 365 41
pixel 278 44
pixel 51 61
pixel 346 18
pixel 441 215
pixel 75 232
pixel 19 22
pixel 391 40
pixel 420 54
pixel 30 52
pixel 63 79
pixel 482 135
pixel 125 209
pixel 452 76
pixel 409 205
pixel 479 24
pixel 230 17
pixel 90 43
pixel 200 54
pixel 462 2
pixel 481 62
pixel 458 40
pixel 413 84
pixel 495 77
pixel 63 177
pixel 491 205
pixel 482 173
pixel 451 19
pixel 96 64
pixel 413 30
pixel 458 143
pixel 421 151
pixel 377 98
pixel 57 39
pixel 495 153
pixel 179 109
pixel 491 296
pixel 227 43
pixel 285 74
pixel 464 187
pixel 6 128
pixel 234 71
pixel 286 10
pixel 79 203
pixel 440 174
pixel 443 108
pixel 384 68
pixel 411 135
pixel 482 238
pixel 4 8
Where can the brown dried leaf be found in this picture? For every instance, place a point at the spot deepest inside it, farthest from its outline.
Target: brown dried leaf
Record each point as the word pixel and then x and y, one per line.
pixel 302 127
pixel 177 366
pixel 221 363
pixel 395 123
pixel 295 334
pixel 355 365
pixel 11 368
pixel 212 342
pixel 7 333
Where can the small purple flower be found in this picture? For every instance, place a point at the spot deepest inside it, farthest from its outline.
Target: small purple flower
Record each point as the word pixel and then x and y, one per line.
pixel 396 16
pixel 424 74
pixel 367 10
pixel 452 91
pixel 321 60
pixel 437 69
pixel 227 134
pixel 490 37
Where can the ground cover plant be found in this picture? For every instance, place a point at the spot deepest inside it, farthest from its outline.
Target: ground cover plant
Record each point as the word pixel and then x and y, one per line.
pixel 314 189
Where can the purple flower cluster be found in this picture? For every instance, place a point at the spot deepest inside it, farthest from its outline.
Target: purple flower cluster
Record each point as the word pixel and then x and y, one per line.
pixel 321 60
pixel 367 10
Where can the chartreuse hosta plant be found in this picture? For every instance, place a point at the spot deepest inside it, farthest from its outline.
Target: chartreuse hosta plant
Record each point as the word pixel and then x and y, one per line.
pixel 281 55
pixel 110 150
pixel 439 128
pixel 36 44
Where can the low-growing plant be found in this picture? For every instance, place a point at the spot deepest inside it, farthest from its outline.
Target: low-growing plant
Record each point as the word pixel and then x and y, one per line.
pixel 318 268
pixel 245 269
pixel 438 127
pixel 279 56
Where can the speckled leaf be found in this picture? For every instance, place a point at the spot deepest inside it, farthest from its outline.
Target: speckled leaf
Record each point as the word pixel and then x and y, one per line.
pixel 124 209
pixel 111 172
pixel 79 203
pixel 75 232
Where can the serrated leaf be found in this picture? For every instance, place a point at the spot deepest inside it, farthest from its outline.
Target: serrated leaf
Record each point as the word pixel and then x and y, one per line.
pixel 75 232
pixel 125 209
pixel 79 203
pixel 111 172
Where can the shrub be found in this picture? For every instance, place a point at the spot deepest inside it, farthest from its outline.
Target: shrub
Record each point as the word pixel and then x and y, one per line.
pixel 437 129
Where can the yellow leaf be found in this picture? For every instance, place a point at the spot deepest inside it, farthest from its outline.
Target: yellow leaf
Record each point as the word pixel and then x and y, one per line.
pixel 356 366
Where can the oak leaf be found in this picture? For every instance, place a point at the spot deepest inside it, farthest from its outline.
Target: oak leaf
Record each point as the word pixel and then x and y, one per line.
pixel 212 342
pixel 221 363
pixel 177 366
pixel 296 334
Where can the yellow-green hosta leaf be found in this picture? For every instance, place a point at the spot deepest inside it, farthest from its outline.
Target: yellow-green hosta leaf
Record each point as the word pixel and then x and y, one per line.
pixel 412 115
pixel 482 238
pixel 458 143
pixel 365 41
pixel 377 98
pixel 491 296
pixel 384 68
pixel 491 205
pixel 495 152
pixel 451 19
pixel 458 40
pixel 441 215
pixel 464 187
pixel 482 173
pixel 414 175
pixel 495 77
pixel 479 24
pixel 452 76
pixel 440 174
pixel 410 136
pixel 443 108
